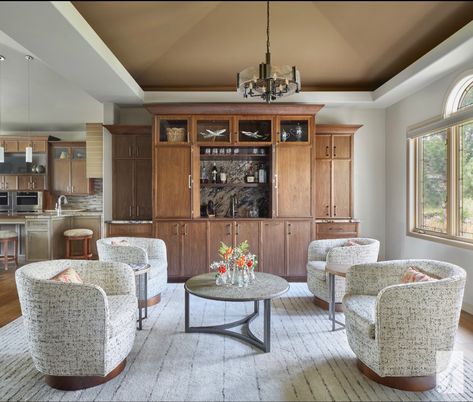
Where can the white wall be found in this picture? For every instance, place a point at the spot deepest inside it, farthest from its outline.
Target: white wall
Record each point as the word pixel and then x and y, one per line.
pixel 423 105
pixel 369 166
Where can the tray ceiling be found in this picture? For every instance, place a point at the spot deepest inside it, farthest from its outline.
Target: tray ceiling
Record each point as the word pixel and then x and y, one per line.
pixel 185 45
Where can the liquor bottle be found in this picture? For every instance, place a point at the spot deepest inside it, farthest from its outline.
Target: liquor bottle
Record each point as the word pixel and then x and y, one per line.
pixel 250 177
pixel 223 176
pixel 214 173
pixel 203 176
pixel 262 174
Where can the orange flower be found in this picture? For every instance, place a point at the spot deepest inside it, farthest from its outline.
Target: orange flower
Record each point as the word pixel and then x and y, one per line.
pixel 241 261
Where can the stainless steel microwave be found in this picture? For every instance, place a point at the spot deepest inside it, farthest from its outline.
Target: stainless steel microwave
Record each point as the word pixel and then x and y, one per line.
pixel 21 201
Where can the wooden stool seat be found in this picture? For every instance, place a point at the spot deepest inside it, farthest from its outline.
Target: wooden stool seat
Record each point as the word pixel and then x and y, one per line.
pixel 5 237
pixel 84 235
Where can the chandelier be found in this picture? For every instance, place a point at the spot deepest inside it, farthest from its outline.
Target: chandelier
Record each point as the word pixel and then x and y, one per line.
pixel 267 81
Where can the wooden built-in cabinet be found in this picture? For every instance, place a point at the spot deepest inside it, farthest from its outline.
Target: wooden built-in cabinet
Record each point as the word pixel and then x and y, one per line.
pixel 309 178
pixel 31 183
pixel 186 247
pixel 68 169
pixel 129 229
pixel 131 172
pixel 334 171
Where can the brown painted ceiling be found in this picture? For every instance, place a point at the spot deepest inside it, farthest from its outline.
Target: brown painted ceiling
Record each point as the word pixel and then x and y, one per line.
pixel 185 45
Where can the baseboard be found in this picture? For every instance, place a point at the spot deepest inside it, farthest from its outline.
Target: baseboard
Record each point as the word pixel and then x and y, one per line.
pixel 468 308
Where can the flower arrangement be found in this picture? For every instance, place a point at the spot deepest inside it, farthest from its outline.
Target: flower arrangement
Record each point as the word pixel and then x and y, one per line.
pixel 237 266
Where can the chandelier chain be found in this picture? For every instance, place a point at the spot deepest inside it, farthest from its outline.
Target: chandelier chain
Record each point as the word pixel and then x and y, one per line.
pixel 267 27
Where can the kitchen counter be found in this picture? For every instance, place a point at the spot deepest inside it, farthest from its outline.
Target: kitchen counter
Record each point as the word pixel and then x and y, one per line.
pixel 117 222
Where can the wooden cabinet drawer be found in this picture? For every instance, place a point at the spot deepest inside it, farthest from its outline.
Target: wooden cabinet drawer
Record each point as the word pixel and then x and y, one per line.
pixel 334 228
pixel 130 230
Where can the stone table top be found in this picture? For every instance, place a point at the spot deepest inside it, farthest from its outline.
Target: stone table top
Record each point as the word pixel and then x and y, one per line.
pixel 266 286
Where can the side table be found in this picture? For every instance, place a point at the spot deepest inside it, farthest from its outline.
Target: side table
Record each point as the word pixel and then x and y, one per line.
pixel 334 270
pixel 141 274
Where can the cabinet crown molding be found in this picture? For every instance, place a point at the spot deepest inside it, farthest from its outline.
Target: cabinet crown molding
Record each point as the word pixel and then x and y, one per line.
pixel 128 129
pixel 337 128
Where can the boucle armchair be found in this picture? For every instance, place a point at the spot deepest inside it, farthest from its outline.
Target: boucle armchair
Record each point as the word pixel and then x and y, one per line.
pixel 396 329
pixel 334 251
pixel 136 251
pixel 79 335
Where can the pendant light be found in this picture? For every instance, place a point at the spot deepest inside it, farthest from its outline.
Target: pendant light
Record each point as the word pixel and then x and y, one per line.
pixel 29 148
pixel 2 148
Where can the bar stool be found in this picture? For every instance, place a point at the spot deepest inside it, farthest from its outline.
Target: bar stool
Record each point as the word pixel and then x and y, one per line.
pixel 5 237
pixel 84 235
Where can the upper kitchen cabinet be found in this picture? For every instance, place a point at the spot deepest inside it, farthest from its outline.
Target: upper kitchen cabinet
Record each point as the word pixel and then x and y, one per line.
pixel 213 130
pixel 131 172
pixel 68 168
pixel 173 129
pixel 294 129
pixel 254 129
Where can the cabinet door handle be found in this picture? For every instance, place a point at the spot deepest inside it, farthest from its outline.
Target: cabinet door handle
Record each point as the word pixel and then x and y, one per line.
pixel 334 150
pixel 190 181
pixel 131 211
pixel 229 229
pixel 275 181
pixel 334 210
pixel 185 229
pixel 137 153
pixel 5 185
pixel 176 227
pixel 289 227
pixel 238 229
pixel 129 151
pixel 327 208
pixel 34 185
pixel 72 189
pixel 137 210
pixel 326 151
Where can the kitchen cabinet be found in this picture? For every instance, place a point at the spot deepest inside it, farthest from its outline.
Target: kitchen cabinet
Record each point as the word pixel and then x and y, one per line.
pixel 232 233
pixel 186 247
pixel 334 171
pixel 336 230
pixel 68 169
pixel 129 229
pixel 298 237
pixel 173 182
pixel 38 240
pixel 9 182
pixel 293 181
pixel 131 172
pixel 273 253
pixel 31 183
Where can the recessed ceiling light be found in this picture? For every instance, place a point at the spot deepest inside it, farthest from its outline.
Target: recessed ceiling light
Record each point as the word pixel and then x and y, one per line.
pixel 2 58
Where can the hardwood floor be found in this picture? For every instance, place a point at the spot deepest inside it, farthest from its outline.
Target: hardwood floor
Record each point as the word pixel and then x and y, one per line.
pixel 9 303
pixel 10 310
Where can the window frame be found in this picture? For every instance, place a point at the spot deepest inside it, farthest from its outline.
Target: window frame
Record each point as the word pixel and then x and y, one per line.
pixel 451 122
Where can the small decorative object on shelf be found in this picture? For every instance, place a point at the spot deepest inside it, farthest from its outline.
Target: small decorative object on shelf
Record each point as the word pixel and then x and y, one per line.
pixel 250 177
pixel 176 134
pixel 214 173
pixel 223 176
pixel 237 266
pixel 211 209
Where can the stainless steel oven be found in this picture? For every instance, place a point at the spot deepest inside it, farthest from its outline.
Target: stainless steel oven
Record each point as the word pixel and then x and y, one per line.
pixel 28 201
pixel 6 204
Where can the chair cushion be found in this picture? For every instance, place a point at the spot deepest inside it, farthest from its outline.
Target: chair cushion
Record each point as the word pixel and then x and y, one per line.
pixel 415 274
pixel 317 269
pixel 362 312
pixel 122 310
pixel 69 275
pixel 78 232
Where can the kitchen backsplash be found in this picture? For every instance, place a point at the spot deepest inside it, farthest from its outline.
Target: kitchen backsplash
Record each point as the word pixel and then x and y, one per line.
pixel 92 202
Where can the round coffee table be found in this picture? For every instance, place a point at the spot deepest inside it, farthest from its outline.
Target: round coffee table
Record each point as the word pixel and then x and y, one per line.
pixel 265 287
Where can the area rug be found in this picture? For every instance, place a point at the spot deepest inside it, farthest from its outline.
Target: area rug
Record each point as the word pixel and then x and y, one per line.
pixel 307 361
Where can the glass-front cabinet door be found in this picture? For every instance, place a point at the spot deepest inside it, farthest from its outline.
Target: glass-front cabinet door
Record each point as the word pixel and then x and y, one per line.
pixel 61 153
pixel 253 130
pixel 78 153
pixel 213 129
pixel 294 129
pixel 173 129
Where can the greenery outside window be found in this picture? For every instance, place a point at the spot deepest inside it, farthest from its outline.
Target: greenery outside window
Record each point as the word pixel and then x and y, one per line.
pixel 440 173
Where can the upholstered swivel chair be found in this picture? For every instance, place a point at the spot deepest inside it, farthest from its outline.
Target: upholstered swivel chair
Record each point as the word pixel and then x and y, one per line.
pixel 79 335
pixel 396 330
pixel 336 251
pixel 136 250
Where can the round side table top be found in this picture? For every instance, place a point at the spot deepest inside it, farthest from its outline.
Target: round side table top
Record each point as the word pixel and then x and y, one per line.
pixel 140 269
pixel 337 269
pixel 266 286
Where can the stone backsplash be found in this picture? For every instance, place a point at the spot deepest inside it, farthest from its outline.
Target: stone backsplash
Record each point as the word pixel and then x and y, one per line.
pixel 247 197
pixel 92 202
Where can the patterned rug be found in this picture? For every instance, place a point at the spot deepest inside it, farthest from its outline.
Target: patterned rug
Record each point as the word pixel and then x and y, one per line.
pixel 307 361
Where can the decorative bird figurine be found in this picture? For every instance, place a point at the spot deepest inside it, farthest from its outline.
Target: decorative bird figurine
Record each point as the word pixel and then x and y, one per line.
pixel 213 134
pixel 254 134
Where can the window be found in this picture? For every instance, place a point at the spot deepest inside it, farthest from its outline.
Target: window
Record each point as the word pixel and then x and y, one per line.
pixel 440 176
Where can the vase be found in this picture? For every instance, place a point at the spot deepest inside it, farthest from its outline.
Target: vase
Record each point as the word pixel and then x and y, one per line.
pixel 220 279
pixel 234 276
pixel 251 275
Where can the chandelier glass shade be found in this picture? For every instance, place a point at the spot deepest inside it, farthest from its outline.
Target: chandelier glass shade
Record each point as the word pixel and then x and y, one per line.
pixel 267 81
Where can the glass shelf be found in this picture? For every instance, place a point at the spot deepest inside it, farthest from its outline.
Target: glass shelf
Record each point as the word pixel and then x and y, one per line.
pixel 213 185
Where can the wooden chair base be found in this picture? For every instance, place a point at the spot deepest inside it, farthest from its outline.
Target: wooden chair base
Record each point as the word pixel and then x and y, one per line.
pixel 324 305
pixel 86 253
pixel 6 258
pixel 73 383
pixel 151 301
pixel 413 384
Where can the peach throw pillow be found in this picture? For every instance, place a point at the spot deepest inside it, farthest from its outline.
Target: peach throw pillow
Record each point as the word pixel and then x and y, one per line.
pixel 69 275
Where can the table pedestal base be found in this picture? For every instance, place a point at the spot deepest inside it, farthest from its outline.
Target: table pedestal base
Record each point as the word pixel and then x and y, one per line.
pixel 247 335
